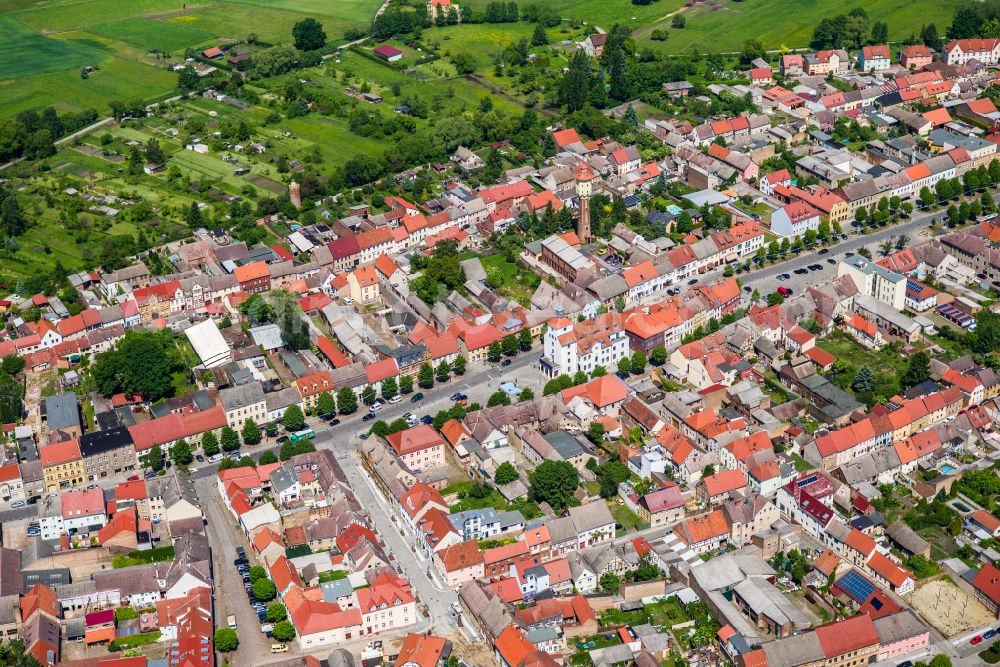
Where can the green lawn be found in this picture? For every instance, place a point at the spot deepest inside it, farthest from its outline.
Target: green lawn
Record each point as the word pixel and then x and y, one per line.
pixel 149 34
pixel 25 53
pixel 515 282
pixel 628 520
pixel 605 13
pixel 724 26
pixel 801 465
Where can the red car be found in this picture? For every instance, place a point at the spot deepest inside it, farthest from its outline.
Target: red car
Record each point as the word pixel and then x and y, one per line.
pixel 133 478
pixel 784 291
pixel 978 639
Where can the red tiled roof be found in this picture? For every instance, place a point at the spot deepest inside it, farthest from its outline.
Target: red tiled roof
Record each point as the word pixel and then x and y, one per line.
pixel 851 634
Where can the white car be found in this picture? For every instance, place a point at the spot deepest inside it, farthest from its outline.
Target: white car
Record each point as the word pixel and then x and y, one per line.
pixel 395 399
pixel 16 504
pixel 348 300
pixel 375 407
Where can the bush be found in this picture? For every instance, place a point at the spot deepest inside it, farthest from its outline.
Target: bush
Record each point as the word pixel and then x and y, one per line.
pixel 226 640
pixel 133 641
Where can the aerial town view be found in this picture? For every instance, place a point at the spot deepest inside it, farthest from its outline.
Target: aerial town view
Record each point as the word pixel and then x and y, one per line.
pixel 499 333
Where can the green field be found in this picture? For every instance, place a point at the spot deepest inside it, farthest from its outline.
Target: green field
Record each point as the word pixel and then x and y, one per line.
pixel 24 52
pixel 45 43
pixel 149 34
pixel 723 25
pixel 604 13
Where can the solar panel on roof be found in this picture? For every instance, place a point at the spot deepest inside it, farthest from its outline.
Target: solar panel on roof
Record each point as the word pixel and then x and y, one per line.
pixel 876 604
pixel 856 586
pixel 806 481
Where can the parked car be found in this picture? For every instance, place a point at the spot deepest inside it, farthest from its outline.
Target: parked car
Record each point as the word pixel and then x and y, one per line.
pixel 199 458
pixel 334 422
pixel 419 396
pixel 455 397
pixel 990 634
pixel 282 438
pixel 505 363
pixel 426 419
pixel 693 281
pixel 17 504
pixel 368 417
pixel 241 552
pixel 133 478
pixel 823 251
pixel 395 399
pixel 978 639
pixel 783 276
pixel 784 291
pixel 375 407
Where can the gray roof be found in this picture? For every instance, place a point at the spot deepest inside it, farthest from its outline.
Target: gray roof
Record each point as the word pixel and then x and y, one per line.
pixel 267 336
pixel 283 477
pixel 61 411
pixel 798 650
pixel 566 445
pixel 905 537
pixel 590 516
pixel 338 588
pixel 244 396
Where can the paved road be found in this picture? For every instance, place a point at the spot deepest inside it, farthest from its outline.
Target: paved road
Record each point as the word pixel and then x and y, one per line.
pixel 230 595
pixel 478 383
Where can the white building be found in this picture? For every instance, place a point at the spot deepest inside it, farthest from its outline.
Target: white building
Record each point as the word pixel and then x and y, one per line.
pixel 569 347
pixel 208 344
pixel 875 281
pixel 794 219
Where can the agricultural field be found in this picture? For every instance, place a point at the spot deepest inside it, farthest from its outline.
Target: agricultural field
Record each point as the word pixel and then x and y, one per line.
pixel 723 25
pixel 44 45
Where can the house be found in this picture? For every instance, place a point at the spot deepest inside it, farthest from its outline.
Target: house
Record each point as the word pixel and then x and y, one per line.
pixel 794 219
pixel 388 53
pixel 662 507
pixel 423 650
pixel 704 533
pixel 875 58
pixel 715 489
pixel 915 56
pixel 419 448
pixel 254 278
pixel 987 588
pixel 985 522
pixel 961 51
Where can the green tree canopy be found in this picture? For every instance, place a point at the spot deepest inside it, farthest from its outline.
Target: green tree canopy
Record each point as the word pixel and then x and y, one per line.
pixel 505 474
pixel 308 34
pixel 143 364
pixel 554 482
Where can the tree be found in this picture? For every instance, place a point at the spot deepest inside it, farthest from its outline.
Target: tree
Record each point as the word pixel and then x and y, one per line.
pixel 459 365
pixel 264 590
pixel 610 583
pixel 918 370
pixel 752 49
pixel 678 21
pixel 142 364
pixel 498 398
pixel 284 631
pixel 425 376
pixel 180 453
pixel 940 660
pixel 539 37
pixel 209 444
pixel 347 401
pixel 647 571
pixel 625 365
pixel 293 419
pixel 226 640
pixel 494 351
pixel 267 458
pixel 554 482
pixel 230 439
pixel 325 404
pixel 524 340
pixel 505 474
pixel 880 32
pixel 406 384
pixel 527 394
pixel 153 458
pixel 256 573
pixel 638 362
pixel 368 395
pixel 658 355
pixel 863 380
pixel 775 299
pixel 276 612
pixel 595 432
pixel 250 432
pixel 930 37
pixel 308 35
pixel 708 471
pixel 599 371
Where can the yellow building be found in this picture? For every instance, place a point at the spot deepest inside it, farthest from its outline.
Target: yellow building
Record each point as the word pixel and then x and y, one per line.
pixel 62 465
